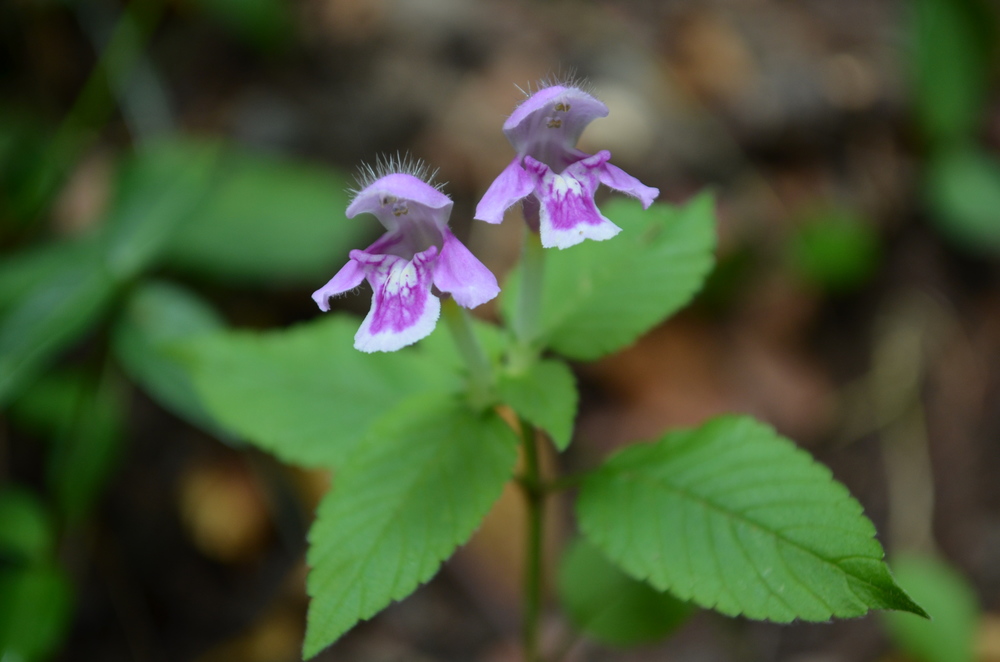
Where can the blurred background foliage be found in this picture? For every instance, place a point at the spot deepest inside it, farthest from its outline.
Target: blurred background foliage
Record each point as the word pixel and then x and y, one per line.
pixel 173 167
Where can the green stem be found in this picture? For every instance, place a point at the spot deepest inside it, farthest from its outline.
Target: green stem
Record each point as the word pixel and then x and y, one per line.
pixel 531 484
pixel 480 371
pixel 529 301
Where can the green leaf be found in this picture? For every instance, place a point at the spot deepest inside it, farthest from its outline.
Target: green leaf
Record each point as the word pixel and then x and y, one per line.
pixel 27 532
pixel 600 296
pixel 305 394
pixel 158 315
pixel 963 190
pixel 952 41
pixel 952 604
pixel 159 189
pixel 27 269
pixel 609 605
pixel 417 488
pixel 47 318
pixel 737 519
pixel 83 417
pixel 545 395
pixel 270 221
pixel 265 23
pixel 35 607
pixel 835 249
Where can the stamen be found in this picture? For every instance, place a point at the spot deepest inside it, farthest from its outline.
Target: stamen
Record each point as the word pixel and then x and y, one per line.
pixel 553 123
pixel 562 107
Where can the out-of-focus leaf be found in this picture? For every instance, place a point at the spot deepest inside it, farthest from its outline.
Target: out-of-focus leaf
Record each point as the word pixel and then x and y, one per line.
pixel 951 602
pixel 735 518
pixel 27 533
pixel 265 23
pixel 415 489
pixel 835 250
pixel 49 317
pixel 87 452
pixel 157 315
pixel 82 415
pixel 609 605
pixel 23 271
pixel 35 606
pixel 27 177
pixel 952 44
pixel 545 395
pixel 159 188
pixel 270 222
pixel 963 191
pixel 599 296
pixel 305 394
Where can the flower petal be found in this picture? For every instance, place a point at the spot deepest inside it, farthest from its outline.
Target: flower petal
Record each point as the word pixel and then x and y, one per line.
pixel 510 186
pixel 458 272
pixel 403 309
pixel 400 197
pixel 616 178
pixel 349 277
pixel 552 114
pixel 567 213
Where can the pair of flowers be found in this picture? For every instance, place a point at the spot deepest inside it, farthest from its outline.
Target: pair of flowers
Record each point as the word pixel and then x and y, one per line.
pixel 418 251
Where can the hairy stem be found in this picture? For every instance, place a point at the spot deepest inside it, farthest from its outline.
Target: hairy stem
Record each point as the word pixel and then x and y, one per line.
pixel 531 485
pixel 480 371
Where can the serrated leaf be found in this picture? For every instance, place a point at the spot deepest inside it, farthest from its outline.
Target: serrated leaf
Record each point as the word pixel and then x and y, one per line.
pixel 27 532
pixel 610 606
pixel 305 394
pixel 269 221
pixel 46 319
pixel 600 296
pixel 35 609
pixel 952 604
pixel 419 485
pixel 545 395
pixel 735 518
pixel 157 315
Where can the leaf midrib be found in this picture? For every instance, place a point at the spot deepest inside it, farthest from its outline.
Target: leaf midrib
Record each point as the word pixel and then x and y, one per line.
pixel 710 505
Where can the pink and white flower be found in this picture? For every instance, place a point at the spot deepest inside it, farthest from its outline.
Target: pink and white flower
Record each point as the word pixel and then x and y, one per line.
pixel 417 253
pixel 544 131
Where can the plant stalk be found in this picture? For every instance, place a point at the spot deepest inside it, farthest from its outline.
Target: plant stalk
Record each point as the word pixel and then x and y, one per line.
pixel 531 484
pixel 527 318
pixel 480 371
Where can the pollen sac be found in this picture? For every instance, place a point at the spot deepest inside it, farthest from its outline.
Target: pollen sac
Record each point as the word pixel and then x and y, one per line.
pixel 554 123
pixel 562 107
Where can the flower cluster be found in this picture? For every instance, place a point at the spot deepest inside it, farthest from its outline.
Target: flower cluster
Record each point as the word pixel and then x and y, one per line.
pixel 418 253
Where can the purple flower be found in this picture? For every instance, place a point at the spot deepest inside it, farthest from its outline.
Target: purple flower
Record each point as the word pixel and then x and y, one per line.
pixel 544 131
pixel 418 251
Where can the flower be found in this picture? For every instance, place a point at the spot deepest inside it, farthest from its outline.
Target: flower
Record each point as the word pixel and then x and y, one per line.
pixel 544 130
pixel 418 251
